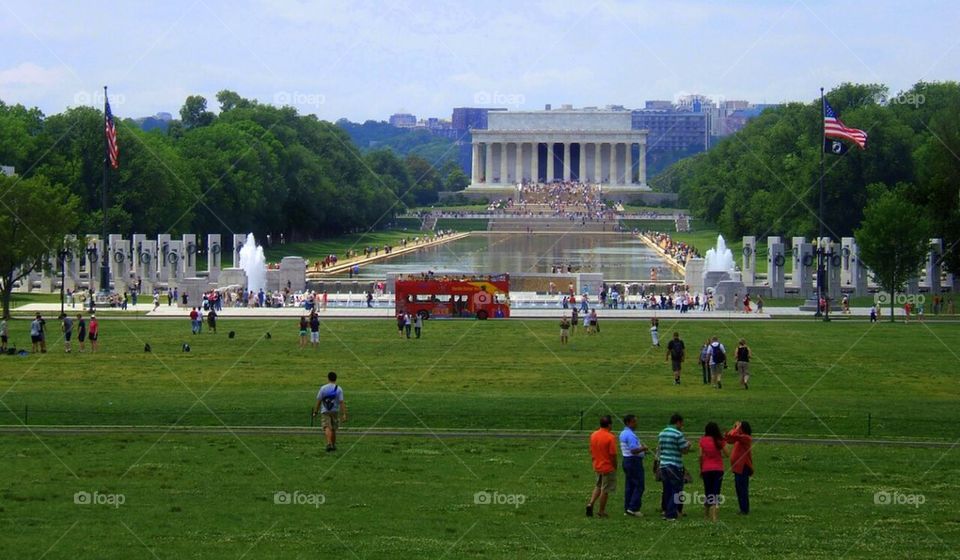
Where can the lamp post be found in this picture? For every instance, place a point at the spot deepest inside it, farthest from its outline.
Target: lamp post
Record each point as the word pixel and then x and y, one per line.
pixel 63 254
pixel 824 251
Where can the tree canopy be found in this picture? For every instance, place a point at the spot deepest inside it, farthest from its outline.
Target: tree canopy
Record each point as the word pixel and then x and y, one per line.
pixel 763 180
pixel 252 167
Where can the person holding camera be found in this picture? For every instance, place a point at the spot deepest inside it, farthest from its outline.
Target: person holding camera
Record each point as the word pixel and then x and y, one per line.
pixel 741 462
pixel 332 408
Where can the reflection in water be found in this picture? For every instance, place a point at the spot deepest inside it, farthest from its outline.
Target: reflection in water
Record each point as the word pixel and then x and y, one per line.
pixel 617 256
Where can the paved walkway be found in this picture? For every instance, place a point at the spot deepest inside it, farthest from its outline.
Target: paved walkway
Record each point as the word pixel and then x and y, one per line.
pixel 313 431
pixel 353 305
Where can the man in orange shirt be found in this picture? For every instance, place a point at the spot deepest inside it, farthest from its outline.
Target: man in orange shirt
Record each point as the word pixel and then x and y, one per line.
pixel 603 449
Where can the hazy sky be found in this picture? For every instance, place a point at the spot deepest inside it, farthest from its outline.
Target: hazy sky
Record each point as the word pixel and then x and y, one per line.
pixel 366 60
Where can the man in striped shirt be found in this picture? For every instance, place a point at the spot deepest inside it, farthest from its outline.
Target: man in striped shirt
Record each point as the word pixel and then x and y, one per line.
pixel 670 449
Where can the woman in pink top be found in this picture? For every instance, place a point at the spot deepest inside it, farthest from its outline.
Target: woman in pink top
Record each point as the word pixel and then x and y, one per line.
pixel 712 452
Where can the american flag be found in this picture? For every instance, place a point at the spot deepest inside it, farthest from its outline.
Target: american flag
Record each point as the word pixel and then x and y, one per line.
pixel 833 127
pixel 110 132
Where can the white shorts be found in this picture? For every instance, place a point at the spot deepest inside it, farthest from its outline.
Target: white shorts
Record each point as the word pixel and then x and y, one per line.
pixel 314 336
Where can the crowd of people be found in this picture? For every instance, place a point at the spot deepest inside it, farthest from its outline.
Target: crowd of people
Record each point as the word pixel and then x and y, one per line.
pixel 567 199
pixel 371 251
pixel 716 449
pixel 679 251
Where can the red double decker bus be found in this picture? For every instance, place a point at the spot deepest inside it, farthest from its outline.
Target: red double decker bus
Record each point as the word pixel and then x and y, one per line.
pixel 483 297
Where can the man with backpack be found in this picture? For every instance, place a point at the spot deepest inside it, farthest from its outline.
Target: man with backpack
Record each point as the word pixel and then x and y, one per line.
pixel 332 408
pixel 676 353
pixel 718 361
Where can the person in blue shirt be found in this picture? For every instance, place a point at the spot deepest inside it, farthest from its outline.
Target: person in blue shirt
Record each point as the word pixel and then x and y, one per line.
pixel 633 452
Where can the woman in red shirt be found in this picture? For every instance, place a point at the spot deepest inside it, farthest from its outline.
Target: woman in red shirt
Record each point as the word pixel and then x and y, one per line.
pixel 712 452
pixel 741 462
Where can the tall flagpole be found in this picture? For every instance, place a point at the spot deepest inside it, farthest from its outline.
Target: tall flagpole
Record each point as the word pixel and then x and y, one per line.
pixel 821 249
pixel 823 140
pixel 104 254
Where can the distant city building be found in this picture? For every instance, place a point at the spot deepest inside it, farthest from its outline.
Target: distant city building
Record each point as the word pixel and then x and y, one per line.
pixel 8 170
pixel 403 120
pixel 658 105
pixel 673 130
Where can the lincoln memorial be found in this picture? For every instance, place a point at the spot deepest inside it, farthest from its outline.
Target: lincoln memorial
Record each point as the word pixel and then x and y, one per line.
pixel 589 146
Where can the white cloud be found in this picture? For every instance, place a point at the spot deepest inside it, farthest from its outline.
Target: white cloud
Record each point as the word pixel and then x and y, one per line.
pixel 28 74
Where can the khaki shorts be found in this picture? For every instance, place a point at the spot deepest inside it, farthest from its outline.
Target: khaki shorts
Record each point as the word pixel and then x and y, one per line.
pixel 331 420
pixel 607 482
pixel 743 368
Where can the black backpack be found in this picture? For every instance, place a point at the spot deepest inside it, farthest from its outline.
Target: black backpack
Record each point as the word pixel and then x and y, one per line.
pixel 330 402
pixel 718 356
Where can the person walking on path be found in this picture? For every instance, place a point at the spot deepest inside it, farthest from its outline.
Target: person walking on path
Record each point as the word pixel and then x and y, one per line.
pixel 564 330
pixel 603 451
pixel 633 452
pixel 4 335
pixel 718 361
pixel 743 363
pixel 712 452
pixel 676 352
pixel 332 408
pixel 741 462
pixel 407 324
pixel 671 446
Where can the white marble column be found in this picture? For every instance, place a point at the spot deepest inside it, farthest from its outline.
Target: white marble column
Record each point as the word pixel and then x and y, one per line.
pixel 488 163
pixel 582 171
pixel 535 162
pixel 642 165
pixel 566 161
pixel 475 165
pixel 518 164
pixel 503 163
pixel 628 164
pixel 613 163
pixel 596 162
pixel 549 178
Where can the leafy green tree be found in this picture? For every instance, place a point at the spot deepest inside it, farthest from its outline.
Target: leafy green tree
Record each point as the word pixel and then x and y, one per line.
pixel 426 180
pixel 35 217
pixel 456 180
pixel 893 239
pixel 194 112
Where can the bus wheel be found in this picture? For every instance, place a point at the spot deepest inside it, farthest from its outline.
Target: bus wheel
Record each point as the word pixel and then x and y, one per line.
pixel 424 314
pixel 481 315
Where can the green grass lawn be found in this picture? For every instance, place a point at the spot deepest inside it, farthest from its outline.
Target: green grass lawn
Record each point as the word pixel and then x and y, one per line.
pixel 338 245
pixel 462 224
pixel 213 496
pixel 898 380
pixel 180 496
